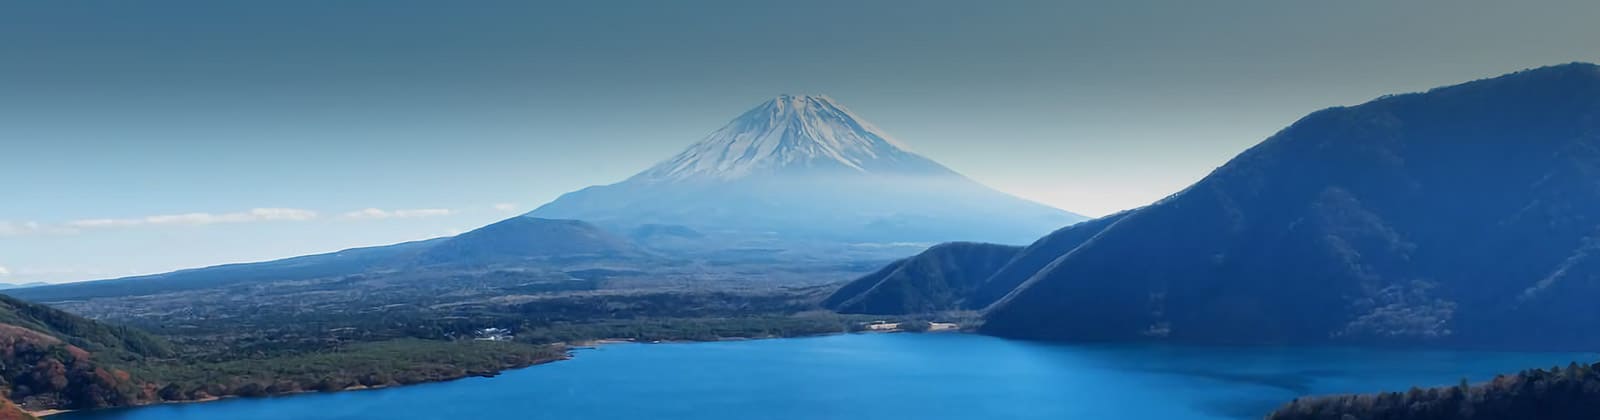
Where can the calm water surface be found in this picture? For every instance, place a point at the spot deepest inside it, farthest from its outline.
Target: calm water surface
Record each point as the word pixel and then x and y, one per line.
pixel 887 376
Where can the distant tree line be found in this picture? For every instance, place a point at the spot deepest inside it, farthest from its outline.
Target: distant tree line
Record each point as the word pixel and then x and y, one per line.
pixel 1570 393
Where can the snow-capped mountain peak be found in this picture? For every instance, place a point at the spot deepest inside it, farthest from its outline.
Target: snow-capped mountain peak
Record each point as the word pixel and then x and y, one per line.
pixel 805 168
pixel 791 133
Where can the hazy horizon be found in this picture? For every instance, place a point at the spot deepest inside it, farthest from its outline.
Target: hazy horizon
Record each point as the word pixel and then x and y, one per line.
pixel 148 139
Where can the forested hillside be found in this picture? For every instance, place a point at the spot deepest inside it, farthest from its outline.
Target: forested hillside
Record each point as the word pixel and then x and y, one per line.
pixel 52 359
pixel 1570 393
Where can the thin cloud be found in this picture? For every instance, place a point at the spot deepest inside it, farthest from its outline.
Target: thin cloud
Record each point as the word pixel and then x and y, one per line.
pixel 183 219
pixel 267 214
pixel 506 207
pixel 4 271
pixel 376 213
pixel 58 274
pixel 195 219
pixel 8 228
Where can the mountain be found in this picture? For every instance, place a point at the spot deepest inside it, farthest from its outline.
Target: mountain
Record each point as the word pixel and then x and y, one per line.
pixel 528 238
pixel 349 261
pixel 517 242
pixel 795 135
pixel 1466 215
pixel 1037 256
pixel 958 275
pixel 795 172
pixel 652 232
pixel 4 286
pixel 805 167
pixel 945 277
pixel 52 359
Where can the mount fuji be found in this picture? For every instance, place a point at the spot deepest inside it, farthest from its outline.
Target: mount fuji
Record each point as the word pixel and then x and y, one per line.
pixel 798 175
pixel 805 167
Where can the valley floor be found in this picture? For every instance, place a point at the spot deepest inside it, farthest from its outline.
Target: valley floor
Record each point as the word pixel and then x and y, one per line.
pixel 275 338
pixel 407 362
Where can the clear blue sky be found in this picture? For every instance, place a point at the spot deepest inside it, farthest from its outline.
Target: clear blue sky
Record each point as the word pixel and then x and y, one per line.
pixel 115 116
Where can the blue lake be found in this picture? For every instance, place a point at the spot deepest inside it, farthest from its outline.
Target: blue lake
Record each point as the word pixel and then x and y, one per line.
pixel 887 376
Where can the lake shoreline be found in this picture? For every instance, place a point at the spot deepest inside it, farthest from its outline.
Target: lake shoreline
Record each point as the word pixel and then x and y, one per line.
pixel 568 354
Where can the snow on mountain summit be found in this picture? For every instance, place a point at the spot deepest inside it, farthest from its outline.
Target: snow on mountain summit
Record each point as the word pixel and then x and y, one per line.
pixel 805 168
pixel 790 133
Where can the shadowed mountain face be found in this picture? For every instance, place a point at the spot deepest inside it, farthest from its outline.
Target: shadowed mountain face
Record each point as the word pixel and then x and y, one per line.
pixel 803 167
pixel 1466 215
pixel 944 277
pixel 1037 256
pixel 958 275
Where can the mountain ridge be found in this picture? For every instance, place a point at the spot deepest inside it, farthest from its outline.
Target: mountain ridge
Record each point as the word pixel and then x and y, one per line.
pixel 1370 223
pixel 515 241
pixel 945 277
